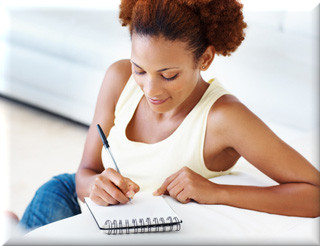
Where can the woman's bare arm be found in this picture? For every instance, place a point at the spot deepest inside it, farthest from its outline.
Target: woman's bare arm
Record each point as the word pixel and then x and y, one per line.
pixel 91 165
pixel 298 192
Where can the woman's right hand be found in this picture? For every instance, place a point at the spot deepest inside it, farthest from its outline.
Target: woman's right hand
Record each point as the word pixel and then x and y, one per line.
pixel 110 187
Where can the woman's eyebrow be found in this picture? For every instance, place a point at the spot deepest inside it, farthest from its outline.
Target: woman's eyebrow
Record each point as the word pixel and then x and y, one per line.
pixel 160 70
pixel 136 65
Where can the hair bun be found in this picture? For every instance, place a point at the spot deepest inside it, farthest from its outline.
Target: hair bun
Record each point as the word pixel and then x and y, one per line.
pixel 193 2
pixel 201 22
pixel 222 21
pixel 125 14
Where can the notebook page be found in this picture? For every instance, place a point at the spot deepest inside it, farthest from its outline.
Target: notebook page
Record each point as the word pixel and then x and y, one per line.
pixel 142 206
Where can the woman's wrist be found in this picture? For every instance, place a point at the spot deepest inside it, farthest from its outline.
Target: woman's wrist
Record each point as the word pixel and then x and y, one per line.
pixel 220 194
pixel 85 180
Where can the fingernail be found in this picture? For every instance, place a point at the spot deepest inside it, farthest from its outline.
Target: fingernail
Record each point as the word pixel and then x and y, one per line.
pixel 130 194
pixel 155 193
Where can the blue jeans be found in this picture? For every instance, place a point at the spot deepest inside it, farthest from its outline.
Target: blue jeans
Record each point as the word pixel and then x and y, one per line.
pixel 54 200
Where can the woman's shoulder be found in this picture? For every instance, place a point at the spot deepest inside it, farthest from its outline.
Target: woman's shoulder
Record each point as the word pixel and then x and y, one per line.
pixel 223 104
pixel 230 119
pixel 118 74
pixel 115 79
pixel 227 112
pixel 121 67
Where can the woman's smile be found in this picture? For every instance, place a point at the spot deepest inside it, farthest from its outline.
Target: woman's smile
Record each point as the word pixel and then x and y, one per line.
pixel 157 101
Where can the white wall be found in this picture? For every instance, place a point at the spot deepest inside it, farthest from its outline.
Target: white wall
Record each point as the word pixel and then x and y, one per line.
pixel 57 57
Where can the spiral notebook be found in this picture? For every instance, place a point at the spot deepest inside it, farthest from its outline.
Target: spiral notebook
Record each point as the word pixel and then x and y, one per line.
pixel 144 213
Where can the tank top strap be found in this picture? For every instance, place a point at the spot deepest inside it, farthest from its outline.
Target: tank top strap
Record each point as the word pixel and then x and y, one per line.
pixel 194 127
pixel 212 94
pixel 128 102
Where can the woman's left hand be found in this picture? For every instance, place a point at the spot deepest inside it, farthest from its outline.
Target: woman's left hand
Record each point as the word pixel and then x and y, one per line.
pixel 186 185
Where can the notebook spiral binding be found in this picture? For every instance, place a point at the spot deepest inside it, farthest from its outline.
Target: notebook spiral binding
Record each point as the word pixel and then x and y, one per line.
pixel 140 225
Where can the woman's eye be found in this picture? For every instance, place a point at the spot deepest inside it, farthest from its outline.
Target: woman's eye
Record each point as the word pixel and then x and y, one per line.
pixel 171 78
pixel 140 73
pixel 168 79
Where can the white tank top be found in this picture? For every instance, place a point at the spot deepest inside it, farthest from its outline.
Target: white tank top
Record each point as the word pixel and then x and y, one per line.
pixel 149 165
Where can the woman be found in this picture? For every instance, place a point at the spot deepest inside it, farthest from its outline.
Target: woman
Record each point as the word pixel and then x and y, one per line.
pixel 170 130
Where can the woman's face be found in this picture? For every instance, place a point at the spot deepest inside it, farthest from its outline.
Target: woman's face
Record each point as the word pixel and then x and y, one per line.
pixel 164 70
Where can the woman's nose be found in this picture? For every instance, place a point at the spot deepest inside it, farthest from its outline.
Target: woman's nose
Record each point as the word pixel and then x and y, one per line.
pixel 152 88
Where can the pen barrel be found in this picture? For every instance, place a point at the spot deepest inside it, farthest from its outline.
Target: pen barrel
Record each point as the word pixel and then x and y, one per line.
pixel 103 137
pixel 113 160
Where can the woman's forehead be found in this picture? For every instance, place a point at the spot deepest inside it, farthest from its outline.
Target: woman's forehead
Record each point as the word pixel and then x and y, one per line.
pixel 158 50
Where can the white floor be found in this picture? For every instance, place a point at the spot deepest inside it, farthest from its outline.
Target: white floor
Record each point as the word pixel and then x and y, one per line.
pixel 35 146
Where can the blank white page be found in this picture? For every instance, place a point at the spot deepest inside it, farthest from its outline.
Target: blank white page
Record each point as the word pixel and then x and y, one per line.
pixel 142 206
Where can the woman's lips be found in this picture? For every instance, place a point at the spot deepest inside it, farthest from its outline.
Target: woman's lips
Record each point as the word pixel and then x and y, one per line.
pixel 157 101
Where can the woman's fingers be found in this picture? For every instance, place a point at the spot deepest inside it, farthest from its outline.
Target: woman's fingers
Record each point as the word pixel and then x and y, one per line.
pixel 101 197
pixel 118 186
pixel 98 200
pixel 117 179
pixel 176 189
pixel 163 187
pixel 183 197
pixel 178 185
pixel 133 188
pixel 110 187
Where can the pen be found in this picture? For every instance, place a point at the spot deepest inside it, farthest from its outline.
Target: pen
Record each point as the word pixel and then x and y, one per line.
pixel 107 147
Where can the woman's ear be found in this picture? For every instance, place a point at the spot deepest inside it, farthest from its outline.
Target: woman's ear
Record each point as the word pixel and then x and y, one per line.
pixel 207 58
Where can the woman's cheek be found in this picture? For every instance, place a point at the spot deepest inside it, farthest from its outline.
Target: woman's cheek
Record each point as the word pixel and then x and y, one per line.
pixel 138 80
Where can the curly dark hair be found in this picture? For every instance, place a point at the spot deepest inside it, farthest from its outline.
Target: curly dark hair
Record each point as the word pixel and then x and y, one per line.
pixel 199 23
